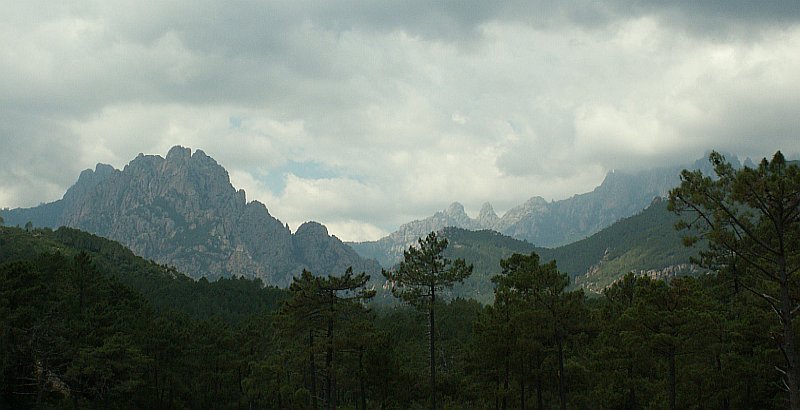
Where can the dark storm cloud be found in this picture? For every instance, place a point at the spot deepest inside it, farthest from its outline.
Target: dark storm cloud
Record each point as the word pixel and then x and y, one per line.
pixel 737 18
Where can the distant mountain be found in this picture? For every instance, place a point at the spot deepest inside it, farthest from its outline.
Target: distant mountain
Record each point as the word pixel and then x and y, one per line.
pixel 560 222
pixel 543 223
pixel 646 244
pixel 389 250
pixel 183 211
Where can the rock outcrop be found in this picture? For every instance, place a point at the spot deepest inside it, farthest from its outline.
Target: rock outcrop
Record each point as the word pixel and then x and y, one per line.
pixel 183 211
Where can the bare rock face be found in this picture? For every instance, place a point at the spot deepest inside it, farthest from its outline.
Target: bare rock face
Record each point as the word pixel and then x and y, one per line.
pixel 183 211
pixel 487 217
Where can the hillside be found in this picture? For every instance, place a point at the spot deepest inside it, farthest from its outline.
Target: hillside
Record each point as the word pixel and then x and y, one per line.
pixel 645 243
pixel 163 287
pixel 484 250
pixel 183 211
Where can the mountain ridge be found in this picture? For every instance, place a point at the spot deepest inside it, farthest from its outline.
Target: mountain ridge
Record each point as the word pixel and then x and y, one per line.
pixel 645 243
pixel 546 224
pixel 182 210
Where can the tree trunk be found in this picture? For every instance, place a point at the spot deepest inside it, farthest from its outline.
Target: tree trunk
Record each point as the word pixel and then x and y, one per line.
pixel 631 402
pixel 671 380
pixel 726 402
pixel 522 392
pixel 496 390
pixel 361 379
pixel 433 349
pixel 789 347
pixel 562 392
pixel 329 396
pixel 539 396
pixel 505 383
pixel 313 369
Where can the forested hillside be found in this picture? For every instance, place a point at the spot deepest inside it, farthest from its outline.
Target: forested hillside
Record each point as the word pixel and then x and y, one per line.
pixel 85 323
pixel 645 243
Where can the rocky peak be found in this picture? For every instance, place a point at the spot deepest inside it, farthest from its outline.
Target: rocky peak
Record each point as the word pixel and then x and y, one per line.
pixel 487 218
pixel 103 170
pixel 183 211
pixel 179 154
pixel 707 168
pixel 311 228
pixel 535 202
pixel 455 210
pixel 200 160
pixel 87 180
pixel 327 255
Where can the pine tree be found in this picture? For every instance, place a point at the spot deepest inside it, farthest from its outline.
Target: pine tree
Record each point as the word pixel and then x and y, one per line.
pixel 422 274
pixel 751 217
pixel 540 291
pixel 320 306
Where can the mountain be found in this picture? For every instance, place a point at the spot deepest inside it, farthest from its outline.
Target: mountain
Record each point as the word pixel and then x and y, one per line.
pixel 389 249
pixel 545 224
pixel 645 243
pixel 560 222
pixel 483 250
pixel 183 211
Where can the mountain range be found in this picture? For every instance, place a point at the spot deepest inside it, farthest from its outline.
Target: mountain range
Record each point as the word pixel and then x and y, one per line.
pixel 645 244
pixel 542 223
pixel 182 210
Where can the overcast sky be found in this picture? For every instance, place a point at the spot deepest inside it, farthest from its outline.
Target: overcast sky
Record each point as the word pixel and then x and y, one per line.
pixel 363 115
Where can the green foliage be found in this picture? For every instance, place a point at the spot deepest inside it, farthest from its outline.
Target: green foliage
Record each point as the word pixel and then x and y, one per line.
pixel 643 242
pixel 425 271
pixel 751 219
pixel 640 243
pixel 86 324
pixel 538 319
pixel 330 311
pixel 73 331
pixel 483 250
pixel 163 287
pixel 59 334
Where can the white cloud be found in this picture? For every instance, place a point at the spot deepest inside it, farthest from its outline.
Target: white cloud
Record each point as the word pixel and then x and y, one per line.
pixel 401 108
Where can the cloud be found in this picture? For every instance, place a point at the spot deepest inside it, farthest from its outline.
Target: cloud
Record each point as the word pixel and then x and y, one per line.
pixel 365 115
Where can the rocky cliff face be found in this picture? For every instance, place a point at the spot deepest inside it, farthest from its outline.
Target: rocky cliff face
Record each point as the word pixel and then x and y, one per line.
pixel 183 211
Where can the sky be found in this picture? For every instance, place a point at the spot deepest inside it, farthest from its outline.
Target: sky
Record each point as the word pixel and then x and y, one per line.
pixel 363 115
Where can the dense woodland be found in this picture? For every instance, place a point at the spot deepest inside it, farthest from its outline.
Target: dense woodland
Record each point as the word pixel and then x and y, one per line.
pixel 85 323
pixel 76 334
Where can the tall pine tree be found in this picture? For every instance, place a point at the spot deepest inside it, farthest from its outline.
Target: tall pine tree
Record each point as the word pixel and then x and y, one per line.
pixel 422 274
